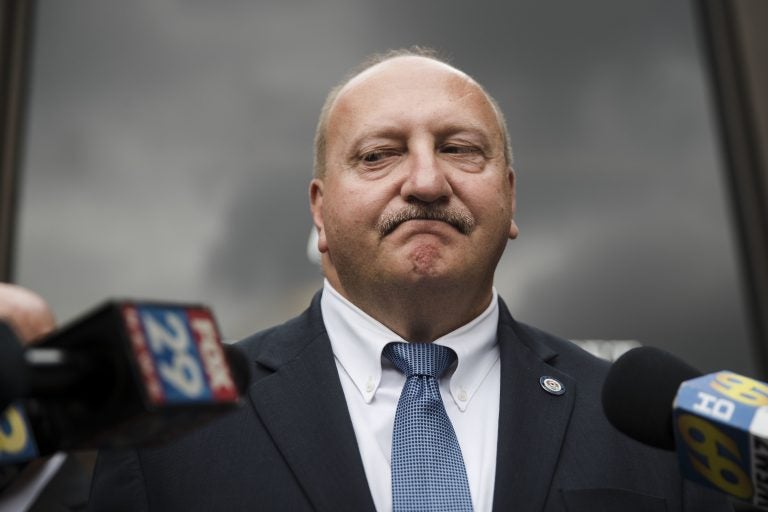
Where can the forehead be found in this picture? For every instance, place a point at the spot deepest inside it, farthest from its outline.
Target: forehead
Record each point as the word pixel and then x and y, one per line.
pixel 407 92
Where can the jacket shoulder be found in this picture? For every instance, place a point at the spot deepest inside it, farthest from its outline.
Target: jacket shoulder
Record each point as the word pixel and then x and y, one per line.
pixel 560 352
pixel 276 345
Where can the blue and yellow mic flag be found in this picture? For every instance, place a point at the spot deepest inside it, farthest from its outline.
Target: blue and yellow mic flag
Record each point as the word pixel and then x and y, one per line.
pixel 17 443
pixel 721 434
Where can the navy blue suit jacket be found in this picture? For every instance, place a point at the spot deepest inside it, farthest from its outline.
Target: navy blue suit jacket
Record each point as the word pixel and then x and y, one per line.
pixel 292 445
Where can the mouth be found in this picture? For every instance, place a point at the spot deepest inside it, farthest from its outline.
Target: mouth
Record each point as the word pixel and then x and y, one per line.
pixel 458 219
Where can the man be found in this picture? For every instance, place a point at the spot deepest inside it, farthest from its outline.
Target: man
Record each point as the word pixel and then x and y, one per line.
pixel 413 200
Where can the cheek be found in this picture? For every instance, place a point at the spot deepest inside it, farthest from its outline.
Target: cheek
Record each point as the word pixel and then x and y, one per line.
pixel 358 203
pixel 346 218
pixel 488 200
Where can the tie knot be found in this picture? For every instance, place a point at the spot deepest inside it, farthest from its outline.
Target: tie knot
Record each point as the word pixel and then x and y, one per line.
pixel 420 358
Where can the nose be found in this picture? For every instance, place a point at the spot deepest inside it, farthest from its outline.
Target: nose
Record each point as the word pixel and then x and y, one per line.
pixel 426 181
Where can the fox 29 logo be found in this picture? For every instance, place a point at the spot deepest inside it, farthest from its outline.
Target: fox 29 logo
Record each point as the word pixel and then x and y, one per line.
pixel 179 354
pixel 16 441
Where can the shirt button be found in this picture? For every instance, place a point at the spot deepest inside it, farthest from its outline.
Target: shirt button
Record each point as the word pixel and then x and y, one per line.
pixel 369 385
pixel 463 395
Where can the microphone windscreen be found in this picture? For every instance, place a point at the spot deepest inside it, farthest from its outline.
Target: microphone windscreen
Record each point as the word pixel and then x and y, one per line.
pixel 639 392
pixel 13 378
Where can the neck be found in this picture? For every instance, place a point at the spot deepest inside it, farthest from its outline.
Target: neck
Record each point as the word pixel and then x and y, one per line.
pixel 423 312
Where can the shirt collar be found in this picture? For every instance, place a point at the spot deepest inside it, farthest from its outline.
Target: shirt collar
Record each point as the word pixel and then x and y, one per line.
pixel 357 340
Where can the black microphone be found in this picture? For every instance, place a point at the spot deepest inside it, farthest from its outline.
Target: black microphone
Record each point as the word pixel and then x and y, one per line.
pixel 716 423
pixel 639 391
pixel 126 374
pixel 12 377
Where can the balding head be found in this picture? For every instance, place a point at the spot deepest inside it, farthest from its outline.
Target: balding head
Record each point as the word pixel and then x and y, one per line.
pixel 369 67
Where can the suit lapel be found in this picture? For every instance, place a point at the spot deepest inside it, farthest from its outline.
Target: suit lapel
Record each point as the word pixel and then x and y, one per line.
pixel 303 407
pixel 532 422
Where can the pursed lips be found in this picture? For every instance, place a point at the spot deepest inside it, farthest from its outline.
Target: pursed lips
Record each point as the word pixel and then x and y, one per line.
pixel 427 225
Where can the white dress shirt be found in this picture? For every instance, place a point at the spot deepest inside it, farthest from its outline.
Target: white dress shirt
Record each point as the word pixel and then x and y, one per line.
pixel 372 386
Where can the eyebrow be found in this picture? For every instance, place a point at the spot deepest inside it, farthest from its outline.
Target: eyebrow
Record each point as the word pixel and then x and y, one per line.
pixel 443 132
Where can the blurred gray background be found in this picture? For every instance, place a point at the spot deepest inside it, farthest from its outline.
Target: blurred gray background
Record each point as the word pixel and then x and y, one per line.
pixel 169 150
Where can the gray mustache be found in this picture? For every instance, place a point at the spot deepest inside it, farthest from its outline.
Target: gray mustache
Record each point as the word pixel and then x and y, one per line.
pixel 461 220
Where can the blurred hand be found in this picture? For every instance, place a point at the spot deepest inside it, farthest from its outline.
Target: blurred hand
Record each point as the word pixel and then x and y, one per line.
pixel 26 312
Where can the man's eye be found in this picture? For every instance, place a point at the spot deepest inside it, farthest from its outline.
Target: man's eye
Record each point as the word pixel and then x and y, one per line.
pixel 373 157
pixel 459 150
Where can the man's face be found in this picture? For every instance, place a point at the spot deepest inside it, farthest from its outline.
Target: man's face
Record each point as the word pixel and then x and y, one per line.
pixel 416 188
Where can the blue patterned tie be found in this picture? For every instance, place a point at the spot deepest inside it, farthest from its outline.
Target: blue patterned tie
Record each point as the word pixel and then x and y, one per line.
pixel 428 471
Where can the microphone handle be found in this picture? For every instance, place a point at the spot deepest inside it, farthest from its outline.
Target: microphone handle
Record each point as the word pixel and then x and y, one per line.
pixel 53 373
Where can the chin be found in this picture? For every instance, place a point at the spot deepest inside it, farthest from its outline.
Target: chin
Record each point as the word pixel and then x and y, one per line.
pixel 425 259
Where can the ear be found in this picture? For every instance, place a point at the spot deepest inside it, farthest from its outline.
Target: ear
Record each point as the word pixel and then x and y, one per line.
pixel 316 207
pixel 513 229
